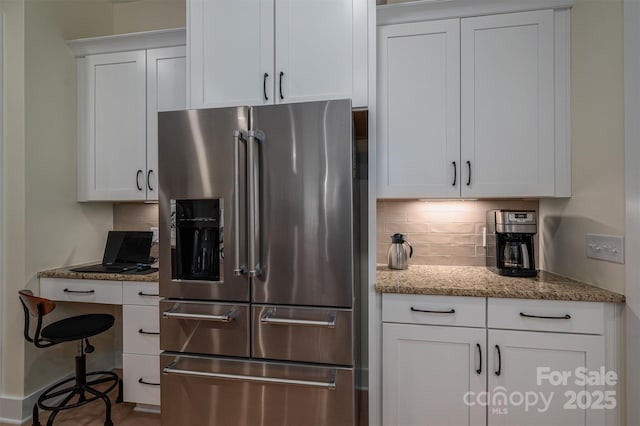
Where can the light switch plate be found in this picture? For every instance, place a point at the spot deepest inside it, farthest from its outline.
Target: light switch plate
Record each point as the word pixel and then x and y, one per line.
pixel 606 247
pixel 155 237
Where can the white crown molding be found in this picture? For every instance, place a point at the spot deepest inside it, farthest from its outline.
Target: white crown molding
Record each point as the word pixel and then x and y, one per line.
pixel 424 10
pixel 131 41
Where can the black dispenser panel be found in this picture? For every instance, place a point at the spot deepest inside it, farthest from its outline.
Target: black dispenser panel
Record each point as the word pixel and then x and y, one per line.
pixel 198 240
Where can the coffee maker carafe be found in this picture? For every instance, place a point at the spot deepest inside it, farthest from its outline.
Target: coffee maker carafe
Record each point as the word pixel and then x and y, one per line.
pixel 511 233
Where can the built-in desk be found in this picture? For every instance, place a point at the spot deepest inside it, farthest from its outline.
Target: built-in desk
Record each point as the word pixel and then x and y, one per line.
pixel 138 295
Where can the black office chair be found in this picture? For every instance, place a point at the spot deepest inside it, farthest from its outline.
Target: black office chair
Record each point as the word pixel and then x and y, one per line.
pixel 78 328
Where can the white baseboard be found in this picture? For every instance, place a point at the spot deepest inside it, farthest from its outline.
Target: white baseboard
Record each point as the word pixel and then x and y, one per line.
pixel 16 410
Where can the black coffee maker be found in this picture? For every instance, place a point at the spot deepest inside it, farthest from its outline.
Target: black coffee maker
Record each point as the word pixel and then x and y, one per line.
pixel 510 247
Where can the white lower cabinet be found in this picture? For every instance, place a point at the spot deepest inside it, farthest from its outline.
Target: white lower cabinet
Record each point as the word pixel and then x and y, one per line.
pixel 141 343
pixel 525 367
pixel 428 371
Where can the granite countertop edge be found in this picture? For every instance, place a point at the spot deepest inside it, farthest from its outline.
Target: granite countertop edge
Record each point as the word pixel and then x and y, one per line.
pixel 477 281
pixel 67 273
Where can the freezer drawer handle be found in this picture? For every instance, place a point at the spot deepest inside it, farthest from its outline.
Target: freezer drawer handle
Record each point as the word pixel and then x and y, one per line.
pixel 269 319
pixel 331 385
pixel 228 317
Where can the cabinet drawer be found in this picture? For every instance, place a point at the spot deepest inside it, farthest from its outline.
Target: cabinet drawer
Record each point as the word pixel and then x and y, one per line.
pixel 436 310
pixel 141 378
pixel 140 293
pixel 141 330
pixel 87 291
pixel 546 315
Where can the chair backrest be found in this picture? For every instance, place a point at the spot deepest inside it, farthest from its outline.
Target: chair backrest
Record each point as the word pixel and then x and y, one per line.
pixel 34 304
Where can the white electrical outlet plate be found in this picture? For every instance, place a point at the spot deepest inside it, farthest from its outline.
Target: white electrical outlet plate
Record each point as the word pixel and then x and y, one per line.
pixel 156 236
pixel 606 247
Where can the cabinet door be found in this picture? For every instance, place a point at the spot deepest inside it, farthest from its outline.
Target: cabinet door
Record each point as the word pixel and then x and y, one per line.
pixel 166 91
pixel 508 105
pixel 230 49
pixel 314 43
pixel 520 356
pixel 419 110
pixel 427 373
pixel 112 141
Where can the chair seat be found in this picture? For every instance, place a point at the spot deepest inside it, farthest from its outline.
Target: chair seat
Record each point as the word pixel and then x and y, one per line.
pixel 76 328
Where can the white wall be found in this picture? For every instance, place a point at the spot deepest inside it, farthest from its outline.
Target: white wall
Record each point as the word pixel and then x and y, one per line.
pixel 59 230
pixel 13 200
pixel 632 145
pixel 597 204
pixel 145 15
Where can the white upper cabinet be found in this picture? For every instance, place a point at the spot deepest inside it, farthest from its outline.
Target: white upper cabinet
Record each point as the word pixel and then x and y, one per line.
pixel 119 96
pixel 474 107
pixel 314 45
pixel 507 115
pixel 419 115
pixel 231 52
pixel 112 153
pixel 166 91
pixel 255 52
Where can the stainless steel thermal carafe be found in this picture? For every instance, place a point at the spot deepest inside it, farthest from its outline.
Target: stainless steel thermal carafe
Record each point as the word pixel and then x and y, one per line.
pixel 398 257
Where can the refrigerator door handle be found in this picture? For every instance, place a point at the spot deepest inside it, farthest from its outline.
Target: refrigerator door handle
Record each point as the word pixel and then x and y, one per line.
pixel 268 318
pixel 238 137
pixel 228 317
pixel 254 138
pixel 330 385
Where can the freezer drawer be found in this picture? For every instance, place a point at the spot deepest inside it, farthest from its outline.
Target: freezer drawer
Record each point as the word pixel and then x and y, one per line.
pixel 204 327
pixel 303 334
pixel 207 391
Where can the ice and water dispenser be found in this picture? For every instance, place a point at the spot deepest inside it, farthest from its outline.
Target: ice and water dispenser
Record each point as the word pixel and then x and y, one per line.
pixel 198 239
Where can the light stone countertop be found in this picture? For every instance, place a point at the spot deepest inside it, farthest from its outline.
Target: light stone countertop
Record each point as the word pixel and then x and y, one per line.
pixel 481 282
pixel 67 273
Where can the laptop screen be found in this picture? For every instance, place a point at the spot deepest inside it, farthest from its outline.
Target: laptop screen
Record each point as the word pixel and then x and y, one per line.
pixel 127 247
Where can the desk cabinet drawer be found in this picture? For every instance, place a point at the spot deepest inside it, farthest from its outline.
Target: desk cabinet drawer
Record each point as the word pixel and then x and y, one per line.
pixel 546 315
pixel 141 379
pixel 141 334
pixel 87 291
pixel 140 293
pixel 434 310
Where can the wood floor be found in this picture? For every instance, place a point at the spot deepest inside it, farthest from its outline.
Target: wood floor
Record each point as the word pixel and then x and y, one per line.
pixel 124 415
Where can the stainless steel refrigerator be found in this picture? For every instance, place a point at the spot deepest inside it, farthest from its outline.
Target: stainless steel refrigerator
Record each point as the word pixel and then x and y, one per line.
pixel 258 266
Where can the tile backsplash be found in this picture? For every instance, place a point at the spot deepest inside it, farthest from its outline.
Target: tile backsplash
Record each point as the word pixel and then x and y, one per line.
pixel 136 217
pixel 441 232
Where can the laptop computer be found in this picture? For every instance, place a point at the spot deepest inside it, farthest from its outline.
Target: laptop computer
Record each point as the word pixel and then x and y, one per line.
pixel 123 252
